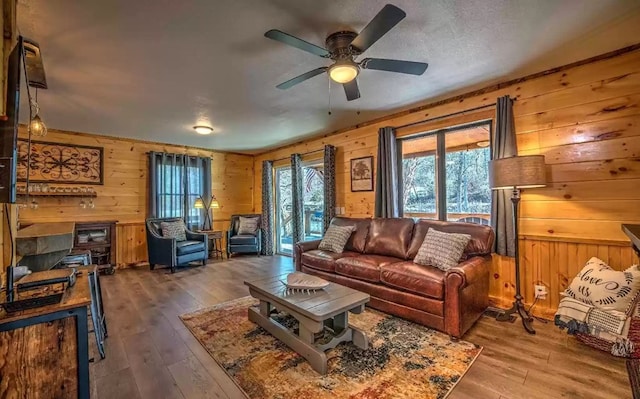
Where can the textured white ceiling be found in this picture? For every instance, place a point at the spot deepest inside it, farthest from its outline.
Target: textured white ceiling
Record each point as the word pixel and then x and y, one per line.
pixel 151 69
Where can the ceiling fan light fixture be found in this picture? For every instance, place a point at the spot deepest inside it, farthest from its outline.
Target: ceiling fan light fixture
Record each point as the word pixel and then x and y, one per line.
pixel 201 129
pixel 343 71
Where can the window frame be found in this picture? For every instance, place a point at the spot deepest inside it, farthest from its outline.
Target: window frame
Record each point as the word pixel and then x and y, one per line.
pixel 441 159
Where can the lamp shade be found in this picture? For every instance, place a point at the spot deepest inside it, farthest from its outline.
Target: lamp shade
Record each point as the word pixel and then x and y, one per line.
pixel 214 204
pixel 517 172
pixel 198 204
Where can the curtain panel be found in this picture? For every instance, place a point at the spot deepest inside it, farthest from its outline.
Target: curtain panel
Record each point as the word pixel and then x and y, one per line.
pixel 503 145
pixel 388 194
pixel 175 181
pixel 267 208
pixel 329 210
pixel 297 198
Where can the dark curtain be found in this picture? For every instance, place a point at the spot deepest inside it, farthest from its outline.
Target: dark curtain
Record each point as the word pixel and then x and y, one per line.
pixel 175 181
pixel 389 175
pixel 297 200
pixel 503 145
pixel 329 185
pixel 267 208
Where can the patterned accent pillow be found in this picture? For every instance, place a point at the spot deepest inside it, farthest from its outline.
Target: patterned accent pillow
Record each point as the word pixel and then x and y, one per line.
pixel 336 238
pixel 599 285
pixel 248 225
pixel 174 230
pixel 442 250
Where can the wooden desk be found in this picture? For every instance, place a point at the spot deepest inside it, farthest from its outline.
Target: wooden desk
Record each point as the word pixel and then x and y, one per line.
pixel 45 351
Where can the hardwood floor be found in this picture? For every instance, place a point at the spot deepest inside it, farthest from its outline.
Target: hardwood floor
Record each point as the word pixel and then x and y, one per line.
pixel 150 354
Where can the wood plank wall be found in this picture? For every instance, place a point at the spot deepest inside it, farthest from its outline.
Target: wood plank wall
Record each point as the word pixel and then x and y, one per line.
pixel 586 121
pixel 124 195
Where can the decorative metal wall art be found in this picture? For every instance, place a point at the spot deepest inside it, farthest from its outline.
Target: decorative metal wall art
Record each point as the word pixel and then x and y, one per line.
pixel 61 163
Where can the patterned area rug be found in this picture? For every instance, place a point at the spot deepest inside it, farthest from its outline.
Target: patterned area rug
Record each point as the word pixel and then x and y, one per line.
pixel 404 360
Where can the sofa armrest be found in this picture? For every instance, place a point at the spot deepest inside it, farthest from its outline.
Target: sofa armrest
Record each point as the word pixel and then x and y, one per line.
pixel 193 236
pixel 466 294
pixel 300 247
pixel 470 271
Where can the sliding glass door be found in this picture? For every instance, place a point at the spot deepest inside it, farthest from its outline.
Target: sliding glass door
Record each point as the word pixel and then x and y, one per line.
pixel 283 211
pixel 313 202
pixel 313 198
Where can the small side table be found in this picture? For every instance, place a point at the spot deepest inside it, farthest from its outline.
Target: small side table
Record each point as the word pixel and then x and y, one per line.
pixel 215 249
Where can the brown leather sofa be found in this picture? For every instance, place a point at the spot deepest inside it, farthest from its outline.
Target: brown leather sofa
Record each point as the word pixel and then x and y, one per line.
pixel 378 260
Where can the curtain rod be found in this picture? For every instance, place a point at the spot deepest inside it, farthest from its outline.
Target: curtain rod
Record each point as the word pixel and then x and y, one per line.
pixel 304 153
pixel 446 116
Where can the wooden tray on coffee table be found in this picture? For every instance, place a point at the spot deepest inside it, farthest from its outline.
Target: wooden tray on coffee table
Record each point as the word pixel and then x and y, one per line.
pixel 325 309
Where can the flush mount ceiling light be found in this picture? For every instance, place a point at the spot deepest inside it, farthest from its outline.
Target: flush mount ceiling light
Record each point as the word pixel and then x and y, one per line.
pixel 201 129
pixel 343 71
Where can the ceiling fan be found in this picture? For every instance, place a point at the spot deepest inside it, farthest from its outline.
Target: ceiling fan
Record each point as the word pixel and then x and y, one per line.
pixel 344 46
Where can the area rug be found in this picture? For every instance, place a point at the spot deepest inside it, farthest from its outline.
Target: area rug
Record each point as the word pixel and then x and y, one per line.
pixel 404 360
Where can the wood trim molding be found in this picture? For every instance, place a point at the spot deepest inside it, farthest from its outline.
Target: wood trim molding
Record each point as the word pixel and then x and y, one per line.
pixel 619 243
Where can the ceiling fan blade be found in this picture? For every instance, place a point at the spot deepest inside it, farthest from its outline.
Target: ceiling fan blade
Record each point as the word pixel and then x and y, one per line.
pixel 299 79
pixel 286 38
pixel 351 90
pixel 381 64
pixel 382 23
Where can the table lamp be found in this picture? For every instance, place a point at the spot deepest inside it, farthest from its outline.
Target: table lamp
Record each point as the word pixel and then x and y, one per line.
pixel 516 173
pixel 202 203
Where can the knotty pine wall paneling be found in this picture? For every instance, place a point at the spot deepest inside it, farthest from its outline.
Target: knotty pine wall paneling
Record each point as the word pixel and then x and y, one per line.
pixel 124 195
pixel 586 121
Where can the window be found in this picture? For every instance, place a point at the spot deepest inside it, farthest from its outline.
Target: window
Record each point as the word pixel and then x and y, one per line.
pixel 284 225
pixel 446 174
pixel 180 180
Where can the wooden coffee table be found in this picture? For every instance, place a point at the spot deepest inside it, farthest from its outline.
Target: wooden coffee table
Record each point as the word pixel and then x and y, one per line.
pixel 324 310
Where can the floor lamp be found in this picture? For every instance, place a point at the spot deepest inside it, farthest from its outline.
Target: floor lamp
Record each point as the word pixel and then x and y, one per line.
pixel 202 203
pixel 516 173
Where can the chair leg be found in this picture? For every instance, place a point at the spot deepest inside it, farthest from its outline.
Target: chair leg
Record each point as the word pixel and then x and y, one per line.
pixel 173 269
pixel 152 266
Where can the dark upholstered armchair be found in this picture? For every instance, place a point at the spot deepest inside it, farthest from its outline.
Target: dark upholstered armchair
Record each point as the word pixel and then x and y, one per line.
pixel 243 243
pixel 171 252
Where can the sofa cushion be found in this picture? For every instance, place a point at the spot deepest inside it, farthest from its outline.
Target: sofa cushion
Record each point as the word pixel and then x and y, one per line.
pixel 243 239
pixel 442 250
pixel 189 247
pixel 389 237
pixel 335 238
pixel 364 267
pixel 323 260
pixel 248 226
pixel 481 242
pixel 425 281
pixel 174 229
pixel 358 239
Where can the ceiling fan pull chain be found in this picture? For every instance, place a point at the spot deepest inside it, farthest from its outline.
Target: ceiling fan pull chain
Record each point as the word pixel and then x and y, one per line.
pixel 329 80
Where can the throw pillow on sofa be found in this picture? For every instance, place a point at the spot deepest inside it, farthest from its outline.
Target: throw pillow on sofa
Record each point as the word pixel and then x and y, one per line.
pixel 174 230
pixel 248 225
pixel 442 250
pixel 336 238
pixel 599 285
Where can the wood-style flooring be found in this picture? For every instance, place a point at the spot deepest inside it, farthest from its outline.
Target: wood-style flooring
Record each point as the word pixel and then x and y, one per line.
pixel 150 354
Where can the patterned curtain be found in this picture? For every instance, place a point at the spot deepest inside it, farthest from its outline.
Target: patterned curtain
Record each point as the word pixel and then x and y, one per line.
pixel 388 195
pixel 297 198
pixel 503 145
pixel 329 185
pixel 267 208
